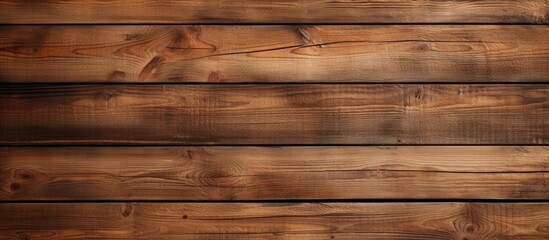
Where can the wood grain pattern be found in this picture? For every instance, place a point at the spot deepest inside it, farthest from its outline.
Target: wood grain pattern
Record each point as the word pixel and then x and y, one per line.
pixel 275 221
pixel 355 53
pixel 277 11
pixel 274 114
pixel 395 108
pixel 252 173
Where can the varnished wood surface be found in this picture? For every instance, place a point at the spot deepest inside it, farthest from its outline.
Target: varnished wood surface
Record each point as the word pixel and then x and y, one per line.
pixel 348 221
pixel 357 53
pixel 258 173
pixel 278 11
pixel 274 114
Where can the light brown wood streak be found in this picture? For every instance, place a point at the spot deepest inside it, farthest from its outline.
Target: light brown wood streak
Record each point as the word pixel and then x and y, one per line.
pixel 254 173
pixel 278 11
pixel 275 221
pixel 274 114
pixel 174 53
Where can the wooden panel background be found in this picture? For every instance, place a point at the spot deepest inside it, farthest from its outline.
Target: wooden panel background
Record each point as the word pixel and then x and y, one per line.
pixel 284 119
pixel 274 53
pixel 275 114
pixel 277 11
pixel 266 173
pixel 275 221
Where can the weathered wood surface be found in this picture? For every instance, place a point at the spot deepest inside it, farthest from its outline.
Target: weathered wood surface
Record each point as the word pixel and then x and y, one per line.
pixel 274 221
pixel 252 173
pixel 274 114
pixel 358 53
pixel 317 130
pixel 277 11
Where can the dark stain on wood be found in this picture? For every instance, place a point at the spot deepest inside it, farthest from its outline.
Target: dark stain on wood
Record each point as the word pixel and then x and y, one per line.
pixel 274 114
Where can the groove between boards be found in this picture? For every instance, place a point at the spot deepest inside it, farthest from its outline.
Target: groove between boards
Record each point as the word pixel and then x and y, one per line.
pixel 265 83
pixel 290 201
pixel 278 23
pixel 262 145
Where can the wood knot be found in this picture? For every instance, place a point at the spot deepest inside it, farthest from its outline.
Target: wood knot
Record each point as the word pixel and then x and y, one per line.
pixel 422 47
pixel 185 216
pixel 220 176
pixel 303 32
pixel 418 94
pixel 117 75
pixel 195 28
pixel 213 77
pixel 470 229
pixel 25 176
pixel 127 210
pixel 149 71
pixel 23 236
pixel 106 96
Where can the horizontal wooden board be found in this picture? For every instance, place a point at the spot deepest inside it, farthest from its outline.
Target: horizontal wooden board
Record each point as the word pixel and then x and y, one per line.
pixel 356 53
pixel 274 114
pixel 278 11
pixel 275 221
pixel 252 173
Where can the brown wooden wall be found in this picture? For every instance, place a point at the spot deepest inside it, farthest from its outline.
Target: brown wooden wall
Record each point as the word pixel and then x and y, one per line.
pixel 283 119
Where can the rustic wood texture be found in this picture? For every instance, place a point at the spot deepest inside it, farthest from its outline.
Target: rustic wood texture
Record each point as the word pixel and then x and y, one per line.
pixel 277 11
pixel 251 173
pixel 343 119
pixel 471 53
pixel 274 114
pixel 275 221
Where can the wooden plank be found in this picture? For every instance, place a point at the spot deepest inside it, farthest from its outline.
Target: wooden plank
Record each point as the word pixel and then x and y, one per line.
pixel 274 114
pixel 277 11
pixel 252 173
pixel 357 53
pixel 274 221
